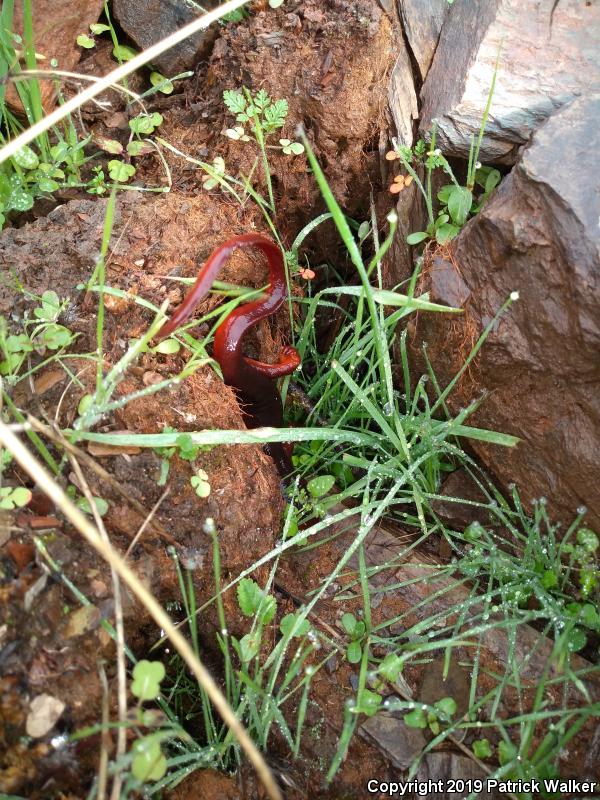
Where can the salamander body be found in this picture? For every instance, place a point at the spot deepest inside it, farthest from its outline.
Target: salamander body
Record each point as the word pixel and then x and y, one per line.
pixel 253 380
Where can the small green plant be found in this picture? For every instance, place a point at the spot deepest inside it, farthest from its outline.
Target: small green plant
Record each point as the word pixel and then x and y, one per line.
pixel 88 42
pixel 456 202
pixel 258 109
pixel 148 763
pixel 432 717
pixel 100 504
pixel 184 447
pixel 482 748
pixel 583 562
pixel 200 482
pixel 54 160
pixel 259 680
pixel 40 333
pixel 140 143
pixel 5 460
pixel 356 630
pixel 550 570
pixel 308 499
pixel 13 497
pixel 264 116
pixel 122 52
pixel 28 175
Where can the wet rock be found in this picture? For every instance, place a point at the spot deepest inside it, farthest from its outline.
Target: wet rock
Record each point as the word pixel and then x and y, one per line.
pixel 442 680
pixel 402 96
pixel 548 56
pixel 445 766
pixel 447 283
pixel 422 23
pixel 148 21
pixel 539 235
pixel 399 743
pixel 463 503
pixel 56 25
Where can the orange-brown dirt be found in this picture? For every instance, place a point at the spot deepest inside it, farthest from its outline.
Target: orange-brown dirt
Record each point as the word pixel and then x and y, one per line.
pixel 331 65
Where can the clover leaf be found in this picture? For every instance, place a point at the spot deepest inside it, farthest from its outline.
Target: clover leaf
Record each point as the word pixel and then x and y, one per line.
pixel 148 763
pixel 120 171
pixel 11 498
pixel 147 676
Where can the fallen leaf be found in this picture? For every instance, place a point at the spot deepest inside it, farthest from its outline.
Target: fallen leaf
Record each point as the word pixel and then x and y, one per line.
pixel 22 554
pixel 48 379
pixel 43 716
pixel 99 449
pixel 84 619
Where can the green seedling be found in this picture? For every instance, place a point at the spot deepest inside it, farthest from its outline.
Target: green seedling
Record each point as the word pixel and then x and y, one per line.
pixel 432 717
pixel 120 171
pixel 269 114
pixel 482 748
pixel 356 629
pixel 11 498
pixel 122 52
pixel 368 703
pixel 391 667
pixel 40 333
pixel 5 460
pixel 28 176
pixel 294 625
pixel 148 762
pixel 200 483
pixel 99 502
pixel 145 124
pixel 252 601
pixel 147 676
pixel 184 447
pixel 457 202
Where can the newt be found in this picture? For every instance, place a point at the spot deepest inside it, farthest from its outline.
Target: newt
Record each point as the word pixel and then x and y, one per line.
pixel 254 381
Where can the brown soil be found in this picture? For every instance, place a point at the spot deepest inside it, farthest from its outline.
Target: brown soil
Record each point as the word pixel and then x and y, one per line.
pixel 331 65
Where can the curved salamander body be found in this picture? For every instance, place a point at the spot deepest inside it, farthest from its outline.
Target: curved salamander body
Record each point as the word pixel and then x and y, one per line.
pixel 253 380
